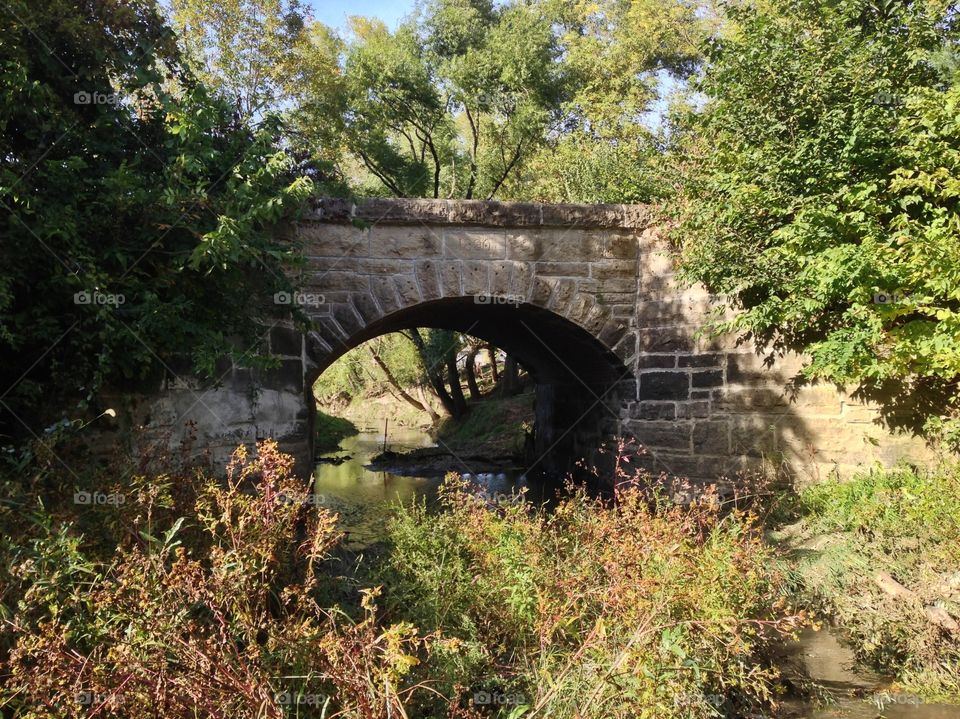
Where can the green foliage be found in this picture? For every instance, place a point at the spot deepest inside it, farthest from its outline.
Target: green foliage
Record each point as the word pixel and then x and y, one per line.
pixel 141 225
pixel 546 608
pixel 446 106
pixel 819 192
pixel 621 59
pixel 905 523
pixel 355 374
pixel 329 430
pixel 249 50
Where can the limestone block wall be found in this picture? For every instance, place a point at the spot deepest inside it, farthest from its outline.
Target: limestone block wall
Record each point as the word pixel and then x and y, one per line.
pixel 586 295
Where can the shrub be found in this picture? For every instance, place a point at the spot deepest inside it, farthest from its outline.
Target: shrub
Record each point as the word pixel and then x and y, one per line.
pixel 904 523
pixel 624 608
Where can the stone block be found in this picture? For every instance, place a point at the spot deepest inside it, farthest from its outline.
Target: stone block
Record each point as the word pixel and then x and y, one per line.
pixel 711 437
pixel 407 290
pixel 337 281
pixel 366 308
pixel 664 385
pixel 666 339
pixel 426 274
pixel 285 341
pixel 526 245
pixel 706 378
pixel 754 436
pixel 474 243
pixel 348 320
pixel 562 269
pixel 476 279
pixel 648 361
pixel 500 273
pixel 402 242
pixel 693 410
pixel 619 245
pixel 663 434
pixel 701 360
pixel 613 269
pixel 385 293
pixel 563 294
pixel 653 410
pixel 450 279
pixel 331 241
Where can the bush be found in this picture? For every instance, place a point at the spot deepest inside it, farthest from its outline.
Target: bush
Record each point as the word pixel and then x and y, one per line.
pixel 189 595
pixel 904 523
pixel 629 608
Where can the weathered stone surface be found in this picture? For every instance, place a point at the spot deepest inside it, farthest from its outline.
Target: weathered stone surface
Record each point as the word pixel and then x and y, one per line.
pixel 711 437
pixel 407 290
pixel 405 242
pixel 648 361
pixel 707 378
pixel 426 274
pixel 450 279
pixel 385 293
pixel 653 410
pixel 476 278
pixel 693 410
pixel 705 406
pixel 666 339
pixel 475 243
pixel 700 360
pixel 285 341
pixel 665 435
pixel 664 385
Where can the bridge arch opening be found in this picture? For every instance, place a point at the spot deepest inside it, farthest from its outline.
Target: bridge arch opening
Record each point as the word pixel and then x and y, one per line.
pixel 578 381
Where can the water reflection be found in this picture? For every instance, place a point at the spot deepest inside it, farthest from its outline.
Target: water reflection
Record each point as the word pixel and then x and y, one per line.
pixel 363 497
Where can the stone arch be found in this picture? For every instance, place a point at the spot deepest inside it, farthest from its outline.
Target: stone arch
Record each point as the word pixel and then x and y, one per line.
pixel 580 382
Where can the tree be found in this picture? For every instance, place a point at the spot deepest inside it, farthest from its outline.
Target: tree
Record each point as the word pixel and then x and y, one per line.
pixel 622 57
pixel 140 223
pixel 818 193
pixel 450 104
pixel 247 50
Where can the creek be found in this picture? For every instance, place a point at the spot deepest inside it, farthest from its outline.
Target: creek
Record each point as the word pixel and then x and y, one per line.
pixel 364 497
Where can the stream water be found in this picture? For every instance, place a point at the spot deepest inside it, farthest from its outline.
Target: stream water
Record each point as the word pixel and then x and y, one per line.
pixel 363 498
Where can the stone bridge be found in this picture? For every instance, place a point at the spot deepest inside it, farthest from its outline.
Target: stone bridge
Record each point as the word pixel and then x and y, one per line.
pixel 585 297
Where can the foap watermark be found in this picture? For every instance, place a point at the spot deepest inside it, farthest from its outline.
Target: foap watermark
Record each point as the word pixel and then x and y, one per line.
pixel 890 298
pixel 500 699
pixel 96 98
pixel 885 699
pixel 499 299
pixel 301 299
pixel 93 499
pixel 89 698
pixel 296 699
pixel 319 500
pixel 86 297
pixel 888 100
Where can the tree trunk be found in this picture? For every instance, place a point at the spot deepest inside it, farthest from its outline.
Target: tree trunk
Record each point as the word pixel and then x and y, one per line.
pixel 456 391
pixel 434 377
pixel 470 369
pixel 396 385
pixel 434 417
pixel 511 377
pixel 493 364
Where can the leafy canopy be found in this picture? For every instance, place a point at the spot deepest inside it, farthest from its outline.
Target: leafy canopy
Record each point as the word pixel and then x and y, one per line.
pixel 140 212
pixel 819 192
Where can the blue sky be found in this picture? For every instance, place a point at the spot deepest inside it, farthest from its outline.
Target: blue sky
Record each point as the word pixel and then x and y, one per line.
pixel 335 12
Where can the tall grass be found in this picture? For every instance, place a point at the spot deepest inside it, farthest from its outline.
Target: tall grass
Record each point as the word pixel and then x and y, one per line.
pixel 199 596
pixel 904 523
